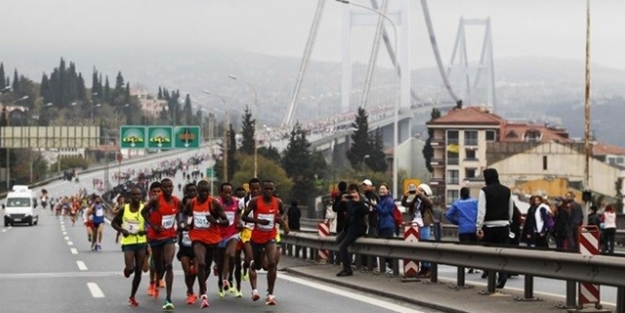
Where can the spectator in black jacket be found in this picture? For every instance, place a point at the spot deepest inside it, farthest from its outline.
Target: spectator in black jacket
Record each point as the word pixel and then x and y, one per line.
pixel 340 210
pixel 355 227
pixel 294 214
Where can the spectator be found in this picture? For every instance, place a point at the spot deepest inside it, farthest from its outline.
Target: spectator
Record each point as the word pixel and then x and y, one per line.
pixel 294 214
pixel 577 218
pixel 494 215
pixel 371 200
pixel 386 224
pixel 563 232
pixel 608 219
pixel 338 208
pixel 356 210
pixel 540 227
pixel 463 212
pixel 420 208
pixel 330 216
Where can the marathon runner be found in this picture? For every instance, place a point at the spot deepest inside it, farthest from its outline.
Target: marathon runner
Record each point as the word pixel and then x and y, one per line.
pixel 229 241
pixel 131 224
pixel 185 255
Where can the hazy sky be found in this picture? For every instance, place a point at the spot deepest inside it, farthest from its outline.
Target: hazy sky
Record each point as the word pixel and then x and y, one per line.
pixel 56 28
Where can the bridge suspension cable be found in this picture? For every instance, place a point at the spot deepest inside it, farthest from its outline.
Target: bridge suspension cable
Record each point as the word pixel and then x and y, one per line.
pixel 307 52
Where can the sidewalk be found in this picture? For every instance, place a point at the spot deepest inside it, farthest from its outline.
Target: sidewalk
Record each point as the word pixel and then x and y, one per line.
pixel 443 296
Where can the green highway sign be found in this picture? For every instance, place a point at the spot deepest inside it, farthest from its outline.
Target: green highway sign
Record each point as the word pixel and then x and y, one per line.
pixel 132 137
pixel 187 137
pixel 160 137
pixel 210 172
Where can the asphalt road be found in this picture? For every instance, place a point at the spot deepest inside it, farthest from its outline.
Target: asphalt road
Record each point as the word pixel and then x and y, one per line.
pixel 50 268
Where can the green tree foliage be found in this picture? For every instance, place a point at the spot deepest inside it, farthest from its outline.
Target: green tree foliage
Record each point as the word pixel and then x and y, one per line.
pixel 16 83
pixel 106 93
pixel 187 111
pixel 64 86
pixel 248 129
pixel 71 162
pixel 361 145
pixel 428 151
pixel 267 169
pixel 270 153
pixel 377 159
pixel 297 162
pixel 3 82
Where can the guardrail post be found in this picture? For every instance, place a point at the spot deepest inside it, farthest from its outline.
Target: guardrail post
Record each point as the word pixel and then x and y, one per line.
pixel 620 299
pixel 571 293
pixel 492 281
pixel 434 272
pixel 528 289
pixel 460 277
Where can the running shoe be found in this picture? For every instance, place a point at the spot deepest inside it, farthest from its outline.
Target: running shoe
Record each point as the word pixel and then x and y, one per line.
pixel 132 302
pixel 246 275
pixel 191 298
pixel 238 294
pixel 226 284
pixel 156 291
pixel 204 302
pixel 389 271
pixel 98 247
pixel 151 289
pixel 255 295
pixel 233 290
pixel 168 306
pixel 271 300
pixel 221 293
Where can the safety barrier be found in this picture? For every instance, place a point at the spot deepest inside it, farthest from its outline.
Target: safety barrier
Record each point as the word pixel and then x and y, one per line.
pixel 594 269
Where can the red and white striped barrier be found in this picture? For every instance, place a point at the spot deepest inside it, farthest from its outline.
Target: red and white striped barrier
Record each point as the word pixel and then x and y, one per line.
pixel 323 229
pixel 411 234
pixel 589 245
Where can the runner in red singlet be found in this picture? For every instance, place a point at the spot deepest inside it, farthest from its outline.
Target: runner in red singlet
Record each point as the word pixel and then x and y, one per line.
pixel 229 240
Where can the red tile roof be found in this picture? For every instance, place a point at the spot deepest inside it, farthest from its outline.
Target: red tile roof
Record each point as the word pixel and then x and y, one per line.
pixel 518 132
pixel 602 149
pixel 474 115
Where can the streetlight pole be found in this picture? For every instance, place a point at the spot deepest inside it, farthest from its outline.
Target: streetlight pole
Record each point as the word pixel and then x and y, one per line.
pixel 396 114
pixel 364 174
pixel 587 147
pixel 255 122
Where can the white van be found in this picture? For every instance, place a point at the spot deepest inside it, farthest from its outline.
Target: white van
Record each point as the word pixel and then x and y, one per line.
pixel 19 206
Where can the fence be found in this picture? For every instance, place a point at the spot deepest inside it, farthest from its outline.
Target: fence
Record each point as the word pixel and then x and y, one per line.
pixel 571 267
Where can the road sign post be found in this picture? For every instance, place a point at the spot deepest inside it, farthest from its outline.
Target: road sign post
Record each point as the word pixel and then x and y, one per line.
pixel 160 137
pixel 187 137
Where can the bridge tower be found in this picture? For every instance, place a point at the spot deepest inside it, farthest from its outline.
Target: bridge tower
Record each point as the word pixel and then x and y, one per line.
pixel 398 11
pixel 476 82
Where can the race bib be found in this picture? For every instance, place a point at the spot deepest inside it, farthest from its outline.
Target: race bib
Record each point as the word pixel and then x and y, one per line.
pixel 230 216
pixel 167 221
pixel 99 212
pixel 186 240
pixel 200 220
pixel 132 226
pixel 269 217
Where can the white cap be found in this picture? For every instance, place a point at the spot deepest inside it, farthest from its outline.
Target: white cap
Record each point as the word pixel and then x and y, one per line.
pixel 367 182
pixel 426 189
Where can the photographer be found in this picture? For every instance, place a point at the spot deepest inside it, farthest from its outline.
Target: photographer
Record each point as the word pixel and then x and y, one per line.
pixel 355 225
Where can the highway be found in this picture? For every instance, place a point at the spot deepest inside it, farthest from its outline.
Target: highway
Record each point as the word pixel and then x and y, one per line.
pixel 50 268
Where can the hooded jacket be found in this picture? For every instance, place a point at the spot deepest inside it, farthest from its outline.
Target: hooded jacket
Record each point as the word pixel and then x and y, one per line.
pixel 495 205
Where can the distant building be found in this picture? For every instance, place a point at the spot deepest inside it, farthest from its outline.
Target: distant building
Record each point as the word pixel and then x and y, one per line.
pixel 148 102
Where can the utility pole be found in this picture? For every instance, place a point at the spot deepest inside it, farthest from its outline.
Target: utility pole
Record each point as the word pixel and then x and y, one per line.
pixel 587 147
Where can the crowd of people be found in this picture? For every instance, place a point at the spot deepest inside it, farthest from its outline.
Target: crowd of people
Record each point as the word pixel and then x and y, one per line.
pixel 492 218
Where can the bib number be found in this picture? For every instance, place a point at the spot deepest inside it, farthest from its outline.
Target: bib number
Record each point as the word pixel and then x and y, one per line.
pixel 168 221
pixel 132 227
pixel 269 217
pixel 200 220
pixel 99 212
pixel 186 240
pixel 230 216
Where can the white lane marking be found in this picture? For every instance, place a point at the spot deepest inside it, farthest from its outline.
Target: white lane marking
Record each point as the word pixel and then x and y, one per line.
pixel 74 250
pixel 81 265
pixel 64 233
pixel 69 243
pixel 362 298
pixel 66 238
pixel 4 230
pixel 96 292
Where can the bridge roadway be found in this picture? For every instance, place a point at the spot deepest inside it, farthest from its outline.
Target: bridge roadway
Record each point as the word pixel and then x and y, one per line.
pixel 50 268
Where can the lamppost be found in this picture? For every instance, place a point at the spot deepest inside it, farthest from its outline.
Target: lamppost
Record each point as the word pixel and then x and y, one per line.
pixel 396 117
pixel 255 122
pixel 364 174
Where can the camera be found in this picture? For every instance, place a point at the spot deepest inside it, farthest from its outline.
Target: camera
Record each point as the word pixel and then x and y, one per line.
pixel 350 197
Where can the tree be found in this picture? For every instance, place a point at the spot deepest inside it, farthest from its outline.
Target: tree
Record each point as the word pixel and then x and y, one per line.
pixel 187 111
pixel 3 82
pixel 270 153
pixel 248 130
pixel 160 93
pixel 16 84
pixel 106 93
pixel 361 145
pixel 45 91
pixel 267 169
pixel 297 162
pixel 377 159
pixel 428 151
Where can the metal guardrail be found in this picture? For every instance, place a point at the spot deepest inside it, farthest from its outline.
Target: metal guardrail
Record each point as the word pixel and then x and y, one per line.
pixel 596 269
